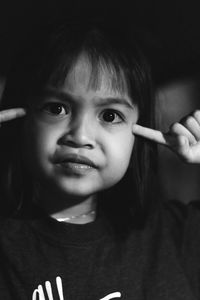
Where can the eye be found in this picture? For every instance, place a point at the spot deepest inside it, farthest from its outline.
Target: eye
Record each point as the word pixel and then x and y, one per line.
pixel 111 116
pixel 55 108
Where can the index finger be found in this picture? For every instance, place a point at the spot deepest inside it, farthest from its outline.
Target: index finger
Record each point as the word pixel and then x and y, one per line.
pixel 10 114
pixel 151 134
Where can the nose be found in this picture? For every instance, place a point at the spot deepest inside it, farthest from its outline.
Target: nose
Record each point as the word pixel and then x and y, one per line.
pixel 80 133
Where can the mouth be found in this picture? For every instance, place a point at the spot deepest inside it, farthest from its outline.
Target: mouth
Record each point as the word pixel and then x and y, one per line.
pixel 77 164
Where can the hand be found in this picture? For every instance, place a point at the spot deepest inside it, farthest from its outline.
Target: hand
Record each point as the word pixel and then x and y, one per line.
pixel 183 138
pixel 10 114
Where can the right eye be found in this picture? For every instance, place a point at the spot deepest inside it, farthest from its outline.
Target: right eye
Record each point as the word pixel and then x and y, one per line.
pixel 54 108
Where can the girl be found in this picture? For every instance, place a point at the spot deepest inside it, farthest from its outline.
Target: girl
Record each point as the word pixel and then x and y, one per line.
pixel 86 222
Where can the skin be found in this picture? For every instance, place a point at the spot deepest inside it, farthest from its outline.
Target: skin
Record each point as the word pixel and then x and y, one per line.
pixel 11 114
pixel 82 129
pixel 183 137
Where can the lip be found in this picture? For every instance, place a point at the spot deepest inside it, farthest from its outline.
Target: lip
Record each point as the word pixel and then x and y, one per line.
pixel 76 160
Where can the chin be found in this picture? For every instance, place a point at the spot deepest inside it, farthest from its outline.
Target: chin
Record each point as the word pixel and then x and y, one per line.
pixel 77 191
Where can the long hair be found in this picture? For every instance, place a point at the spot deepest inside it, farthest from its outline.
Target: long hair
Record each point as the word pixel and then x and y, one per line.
pixel 47 58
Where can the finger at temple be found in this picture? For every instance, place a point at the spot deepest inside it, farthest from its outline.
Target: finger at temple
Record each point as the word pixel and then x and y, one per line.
pixel 151 134
pixel 10 114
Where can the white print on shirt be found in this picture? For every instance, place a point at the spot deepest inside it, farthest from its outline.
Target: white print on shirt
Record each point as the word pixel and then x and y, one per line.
pixel 39 292
pixel 112 296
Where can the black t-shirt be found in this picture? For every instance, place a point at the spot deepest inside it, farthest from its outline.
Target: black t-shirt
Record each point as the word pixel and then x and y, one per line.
pixel 41 258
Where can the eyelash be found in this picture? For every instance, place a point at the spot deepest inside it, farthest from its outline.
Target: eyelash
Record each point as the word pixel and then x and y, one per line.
pixel 48 106
pixel 116 114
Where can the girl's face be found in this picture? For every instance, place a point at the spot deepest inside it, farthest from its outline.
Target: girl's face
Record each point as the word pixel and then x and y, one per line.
pixel 78 140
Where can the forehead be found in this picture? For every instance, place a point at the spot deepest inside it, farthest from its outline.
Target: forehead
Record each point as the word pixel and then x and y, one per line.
pixel 95 76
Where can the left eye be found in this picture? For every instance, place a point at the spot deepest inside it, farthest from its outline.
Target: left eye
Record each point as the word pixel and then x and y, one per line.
pixel 55 108
pixel 111 116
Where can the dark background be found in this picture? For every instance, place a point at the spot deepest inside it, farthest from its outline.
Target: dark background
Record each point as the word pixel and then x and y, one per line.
pixel 172 34
pixel 172 27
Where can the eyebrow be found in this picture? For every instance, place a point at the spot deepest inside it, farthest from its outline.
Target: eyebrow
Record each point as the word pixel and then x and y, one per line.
pixel 113 100
pixel 64 96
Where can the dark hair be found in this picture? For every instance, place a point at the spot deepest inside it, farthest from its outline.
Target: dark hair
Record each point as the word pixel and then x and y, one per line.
pixel 47 59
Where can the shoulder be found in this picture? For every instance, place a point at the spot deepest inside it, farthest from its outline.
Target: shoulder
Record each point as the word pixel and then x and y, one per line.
pixel 12 229
pixel 182 223
pixel 176 213
pixel 173 224
pixel 179 223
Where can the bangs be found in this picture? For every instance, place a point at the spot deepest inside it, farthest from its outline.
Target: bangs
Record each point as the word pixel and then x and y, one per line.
pixel 115 75
pixel 49 61
pixel 98 65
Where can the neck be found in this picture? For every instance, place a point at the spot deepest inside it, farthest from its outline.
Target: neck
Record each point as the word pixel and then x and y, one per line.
pixel 82 213
pixel 68 209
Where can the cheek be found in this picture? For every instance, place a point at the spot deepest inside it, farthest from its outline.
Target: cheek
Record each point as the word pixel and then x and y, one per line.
pixel 120 151
pixel 39 142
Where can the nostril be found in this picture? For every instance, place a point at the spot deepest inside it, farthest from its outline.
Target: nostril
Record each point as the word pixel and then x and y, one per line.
pixel 70 143
pixel 77 142
pixel 66 140
pixel 80 133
